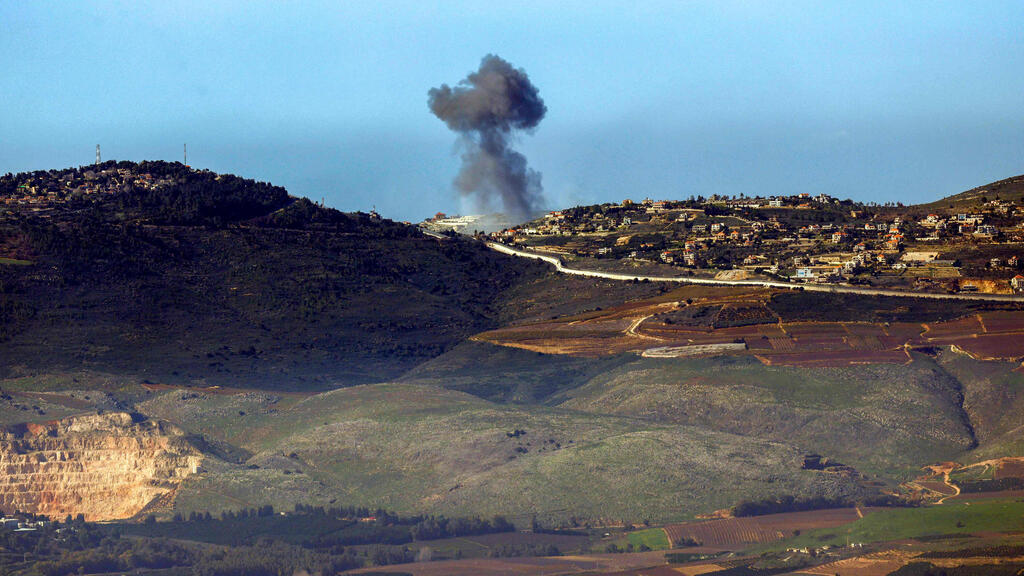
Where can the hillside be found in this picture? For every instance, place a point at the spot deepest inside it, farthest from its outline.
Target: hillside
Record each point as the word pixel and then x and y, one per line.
pixel 1007 190
pixel 419 448
pixel 622 438
pixel 163 273
pixel 323 358
pixel 969 243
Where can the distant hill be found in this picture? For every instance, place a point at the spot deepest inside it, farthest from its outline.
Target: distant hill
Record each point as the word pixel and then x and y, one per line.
pixel 176 275
pixel 1010 189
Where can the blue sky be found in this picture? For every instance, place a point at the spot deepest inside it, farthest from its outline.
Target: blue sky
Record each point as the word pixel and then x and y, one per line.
pixel 875 101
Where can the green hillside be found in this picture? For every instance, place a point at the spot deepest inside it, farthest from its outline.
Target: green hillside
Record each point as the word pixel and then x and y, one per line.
pixel 882 419
pixel 421 448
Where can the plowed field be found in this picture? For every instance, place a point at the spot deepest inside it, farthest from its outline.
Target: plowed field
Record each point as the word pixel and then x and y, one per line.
pixel 639 326
pixel 728 532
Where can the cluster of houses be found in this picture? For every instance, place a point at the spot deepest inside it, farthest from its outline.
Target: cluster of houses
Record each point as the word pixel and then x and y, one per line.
pixel 41 190
pixel 762 234
pixel 18 524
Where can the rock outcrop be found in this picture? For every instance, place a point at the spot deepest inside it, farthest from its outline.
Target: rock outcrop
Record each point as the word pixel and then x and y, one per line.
pixel 104 466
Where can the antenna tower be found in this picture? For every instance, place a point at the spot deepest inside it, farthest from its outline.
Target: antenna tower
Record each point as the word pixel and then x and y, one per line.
pixel 186 154
pixel 97 153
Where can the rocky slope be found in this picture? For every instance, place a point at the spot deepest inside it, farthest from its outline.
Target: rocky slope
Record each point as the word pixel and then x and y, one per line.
pixel 104 466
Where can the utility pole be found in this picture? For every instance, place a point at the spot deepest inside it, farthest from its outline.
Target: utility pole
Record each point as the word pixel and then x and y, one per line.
pixel 97 154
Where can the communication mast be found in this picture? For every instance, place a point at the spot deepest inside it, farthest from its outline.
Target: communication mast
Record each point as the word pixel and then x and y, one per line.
pixel 186 155
pixel 97 154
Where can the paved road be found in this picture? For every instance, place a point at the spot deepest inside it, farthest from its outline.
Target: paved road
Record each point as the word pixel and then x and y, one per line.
pixel 842 289
pixel 433 234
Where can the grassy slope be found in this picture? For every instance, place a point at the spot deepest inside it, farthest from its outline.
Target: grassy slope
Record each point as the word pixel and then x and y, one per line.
pixel 422 448
pixel 882 419
pixel 503 373
pixel 639 439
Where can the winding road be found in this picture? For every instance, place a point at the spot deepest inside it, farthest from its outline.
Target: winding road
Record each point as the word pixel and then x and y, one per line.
pixel 834 288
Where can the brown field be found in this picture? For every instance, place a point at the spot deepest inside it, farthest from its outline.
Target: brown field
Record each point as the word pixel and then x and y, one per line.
pixel 590 564
pixel 642 325
pixel 699 569
pixel 652 571
pixel 882 563
pixel 731 532
pixel 837 358
pixel 993 346
pixel 996 322
pixel 874 564
pixel 1010 468
pixel 989 495
pixel 954 328
pixel 937 487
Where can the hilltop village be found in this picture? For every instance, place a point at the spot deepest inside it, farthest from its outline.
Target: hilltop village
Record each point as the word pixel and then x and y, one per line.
pixel 954 248
pixel 44 189
pixel 947 246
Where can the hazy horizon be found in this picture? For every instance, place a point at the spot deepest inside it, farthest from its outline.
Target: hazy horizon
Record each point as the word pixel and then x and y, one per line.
pixel 869 101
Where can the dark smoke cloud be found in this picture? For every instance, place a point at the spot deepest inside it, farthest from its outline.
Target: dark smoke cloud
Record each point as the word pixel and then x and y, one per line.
pixel 486 109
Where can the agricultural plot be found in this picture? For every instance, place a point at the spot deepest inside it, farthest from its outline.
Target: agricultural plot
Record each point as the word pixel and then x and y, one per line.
pixel 993 346
pixel 874 564
pixel 954 328
pixel 653 538
pixel 1010 468
pixel 652 571
pixel 1002 322
pixel 954 517
pixel 592 564
pixel 774 339
pixel 736 532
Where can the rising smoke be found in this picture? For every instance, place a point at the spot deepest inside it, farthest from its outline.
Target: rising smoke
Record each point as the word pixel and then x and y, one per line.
pixel 485 110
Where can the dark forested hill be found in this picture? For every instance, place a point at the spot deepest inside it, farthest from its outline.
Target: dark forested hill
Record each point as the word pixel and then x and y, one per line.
pixel 171 274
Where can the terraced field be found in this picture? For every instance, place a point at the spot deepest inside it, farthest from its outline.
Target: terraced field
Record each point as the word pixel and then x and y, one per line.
pixel 746 316
pixel 732 533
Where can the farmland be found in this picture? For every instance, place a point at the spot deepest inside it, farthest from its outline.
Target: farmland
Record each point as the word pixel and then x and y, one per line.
pixel 770 327
pixel 733 533
pixel 589 563
pixel 951 518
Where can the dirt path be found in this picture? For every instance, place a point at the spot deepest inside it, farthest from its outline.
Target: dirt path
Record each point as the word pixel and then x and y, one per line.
pixel 636 324
pixel 956 489
pixel 942 470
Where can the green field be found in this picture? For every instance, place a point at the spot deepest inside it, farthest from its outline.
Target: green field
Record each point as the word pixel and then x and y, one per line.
pixel 653 538
pixel 952 517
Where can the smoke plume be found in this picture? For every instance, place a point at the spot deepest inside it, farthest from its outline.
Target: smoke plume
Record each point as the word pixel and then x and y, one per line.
pixel 486 109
